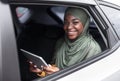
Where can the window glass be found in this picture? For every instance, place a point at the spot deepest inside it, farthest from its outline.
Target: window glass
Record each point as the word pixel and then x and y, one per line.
pixel 114 17
pixel 23 14
pixel 59 11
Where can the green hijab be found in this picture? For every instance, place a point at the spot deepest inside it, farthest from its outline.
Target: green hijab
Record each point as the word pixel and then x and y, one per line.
pixel 67 52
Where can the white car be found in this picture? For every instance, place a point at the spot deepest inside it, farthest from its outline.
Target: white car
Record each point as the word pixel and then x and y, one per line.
pixel 35 26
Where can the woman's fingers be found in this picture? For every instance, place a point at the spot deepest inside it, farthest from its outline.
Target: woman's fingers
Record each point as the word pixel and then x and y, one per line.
pixel 34 68
pixel 30 62
pixel 51 69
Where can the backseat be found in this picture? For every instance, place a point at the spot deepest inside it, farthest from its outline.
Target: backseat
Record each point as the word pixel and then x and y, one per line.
pixel 97 36
pixel 40 40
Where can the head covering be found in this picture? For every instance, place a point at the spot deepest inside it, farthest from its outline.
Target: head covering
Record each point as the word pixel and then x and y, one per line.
pixel 81 14
pixel 78 13
pixel 67 52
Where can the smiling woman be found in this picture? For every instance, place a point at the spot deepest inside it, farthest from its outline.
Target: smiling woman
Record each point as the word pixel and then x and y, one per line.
pixel 75 46
pixel 67 43
pixel 61 44
pixel 78 44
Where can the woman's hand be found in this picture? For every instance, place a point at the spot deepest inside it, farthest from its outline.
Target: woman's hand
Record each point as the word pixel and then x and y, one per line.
pixel 45 71
pixel 33 68
pixel 51 69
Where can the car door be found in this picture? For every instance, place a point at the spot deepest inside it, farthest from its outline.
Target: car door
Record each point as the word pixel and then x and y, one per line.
pixel 9 67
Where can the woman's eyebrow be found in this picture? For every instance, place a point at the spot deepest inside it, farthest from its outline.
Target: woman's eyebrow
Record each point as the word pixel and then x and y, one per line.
pixel 75 19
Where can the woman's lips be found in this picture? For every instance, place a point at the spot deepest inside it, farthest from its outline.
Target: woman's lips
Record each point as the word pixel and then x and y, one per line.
pixel 71 32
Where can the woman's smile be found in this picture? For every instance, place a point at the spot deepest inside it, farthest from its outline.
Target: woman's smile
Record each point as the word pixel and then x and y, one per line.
pixel 71 32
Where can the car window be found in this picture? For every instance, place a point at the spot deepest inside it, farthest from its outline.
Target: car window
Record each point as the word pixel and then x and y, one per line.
pixel 23 14
pixel 40 34
pixel 114 17
pixel 59 11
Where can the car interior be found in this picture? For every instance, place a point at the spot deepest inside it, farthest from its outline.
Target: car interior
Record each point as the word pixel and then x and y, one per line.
pixel 40 31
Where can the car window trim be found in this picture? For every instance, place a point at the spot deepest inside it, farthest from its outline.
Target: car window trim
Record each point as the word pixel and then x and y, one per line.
pixel 90 2
pixel 103 3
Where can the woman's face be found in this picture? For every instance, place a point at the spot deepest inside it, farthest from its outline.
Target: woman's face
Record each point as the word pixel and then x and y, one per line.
pixel 72 26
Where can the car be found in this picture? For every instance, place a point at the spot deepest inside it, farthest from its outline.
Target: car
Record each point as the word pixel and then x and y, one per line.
pixel 36 25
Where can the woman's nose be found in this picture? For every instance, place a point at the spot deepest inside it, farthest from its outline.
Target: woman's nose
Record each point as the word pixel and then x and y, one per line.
pixel 70 26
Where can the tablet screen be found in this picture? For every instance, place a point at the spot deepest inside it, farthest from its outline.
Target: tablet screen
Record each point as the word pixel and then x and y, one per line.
pixel 37 60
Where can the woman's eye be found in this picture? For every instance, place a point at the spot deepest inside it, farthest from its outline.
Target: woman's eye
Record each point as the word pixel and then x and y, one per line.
pixel 75 23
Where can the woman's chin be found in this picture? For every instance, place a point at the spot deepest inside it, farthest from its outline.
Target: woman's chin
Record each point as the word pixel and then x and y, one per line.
pixel 72 37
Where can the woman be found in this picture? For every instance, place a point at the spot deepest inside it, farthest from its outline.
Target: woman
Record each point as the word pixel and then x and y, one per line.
pixel 77 44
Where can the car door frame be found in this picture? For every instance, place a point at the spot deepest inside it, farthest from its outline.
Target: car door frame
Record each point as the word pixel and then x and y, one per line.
pixel 9 65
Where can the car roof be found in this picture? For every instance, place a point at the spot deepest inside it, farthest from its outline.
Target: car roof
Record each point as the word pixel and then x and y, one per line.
pixel 90 2
pixel 75 1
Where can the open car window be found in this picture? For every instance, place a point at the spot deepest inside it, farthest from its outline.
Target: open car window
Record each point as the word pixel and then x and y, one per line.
pixel 40 29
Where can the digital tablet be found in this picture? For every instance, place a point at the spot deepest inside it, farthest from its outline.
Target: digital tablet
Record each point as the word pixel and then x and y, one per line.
pixel 37 60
